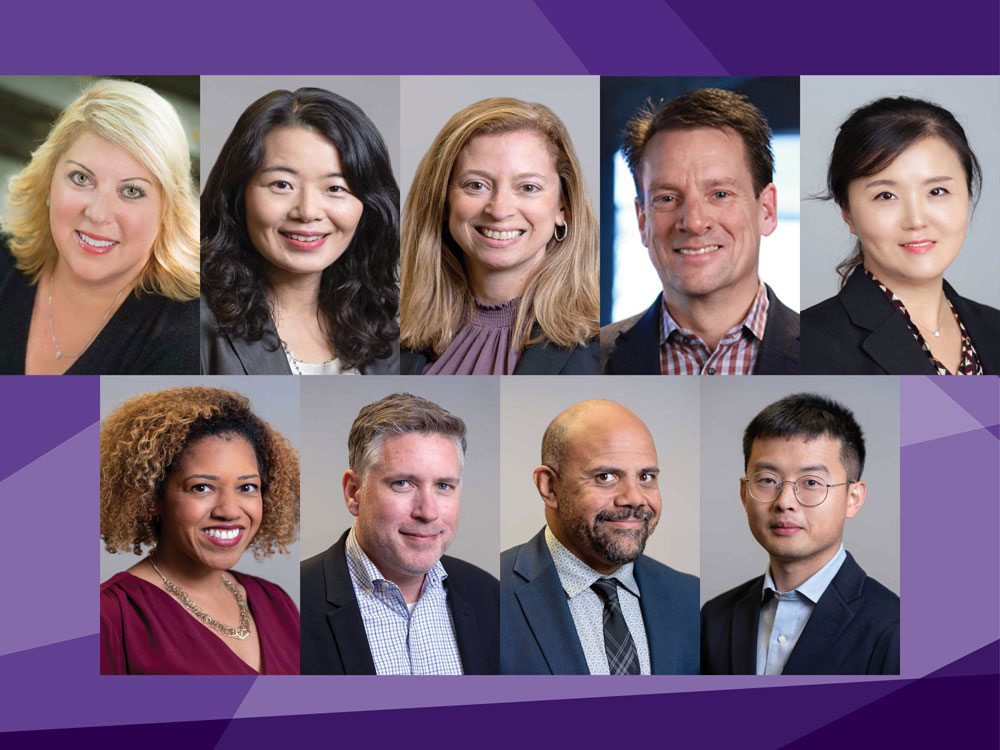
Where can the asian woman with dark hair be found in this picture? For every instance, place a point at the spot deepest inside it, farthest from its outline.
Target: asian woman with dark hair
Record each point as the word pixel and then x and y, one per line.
pixel 300 242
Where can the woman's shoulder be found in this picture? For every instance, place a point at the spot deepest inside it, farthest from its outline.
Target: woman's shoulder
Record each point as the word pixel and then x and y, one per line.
pixel 257 587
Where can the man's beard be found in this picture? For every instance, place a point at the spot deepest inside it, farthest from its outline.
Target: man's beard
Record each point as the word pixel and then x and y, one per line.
pixel 617 546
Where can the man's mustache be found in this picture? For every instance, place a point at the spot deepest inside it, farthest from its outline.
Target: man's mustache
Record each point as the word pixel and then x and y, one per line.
pixel 624 514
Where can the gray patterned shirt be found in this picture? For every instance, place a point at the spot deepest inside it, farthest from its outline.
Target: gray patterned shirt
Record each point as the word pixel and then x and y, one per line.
pixel 401 642
pixel 587 608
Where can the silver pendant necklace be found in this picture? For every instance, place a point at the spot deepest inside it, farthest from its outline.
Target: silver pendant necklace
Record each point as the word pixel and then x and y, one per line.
pixel 52 331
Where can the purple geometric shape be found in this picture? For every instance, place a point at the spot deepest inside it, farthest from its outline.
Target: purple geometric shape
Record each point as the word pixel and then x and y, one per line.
pixel 994 430
pixel 40 412
pixel 980 397
pixel 645 29
pixel 49 555
pixel 931 413
pixel 59 686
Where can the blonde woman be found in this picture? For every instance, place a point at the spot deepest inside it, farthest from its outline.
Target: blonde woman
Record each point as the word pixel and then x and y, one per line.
pixel 100 270
pixel 499 249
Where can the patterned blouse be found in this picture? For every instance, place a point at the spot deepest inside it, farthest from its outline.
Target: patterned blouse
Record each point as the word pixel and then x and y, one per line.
pixel 970 364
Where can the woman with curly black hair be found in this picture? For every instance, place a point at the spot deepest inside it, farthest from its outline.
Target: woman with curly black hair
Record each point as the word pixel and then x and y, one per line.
pixel 196 475
pixel 300 242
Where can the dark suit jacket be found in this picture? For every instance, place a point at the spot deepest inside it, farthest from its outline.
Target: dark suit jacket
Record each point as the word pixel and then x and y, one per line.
pixel 859 332
pixel 854 629
pixel 537 634
pixel 540 359
pixel 229 355
pixel 632 346
pixel 333 634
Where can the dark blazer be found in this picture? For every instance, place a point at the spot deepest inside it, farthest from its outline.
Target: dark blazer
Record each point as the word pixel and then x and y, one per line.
pixel 854 629
pixel 230 355
pixel 537 634
pixel 859 332
pixel 632 346
pixel 541 359
pixel 333 634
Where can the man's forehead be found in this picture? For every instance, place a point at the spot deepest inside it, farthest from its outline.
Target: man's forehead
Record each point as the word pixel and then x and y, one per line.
pixel 425 452
pixel 625 445
pixel 713 148
pixel 794 448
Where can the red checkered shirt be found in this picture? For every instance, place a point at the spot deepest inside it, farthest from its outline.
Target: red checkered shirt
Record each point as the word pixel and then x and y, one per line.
pixel 684 353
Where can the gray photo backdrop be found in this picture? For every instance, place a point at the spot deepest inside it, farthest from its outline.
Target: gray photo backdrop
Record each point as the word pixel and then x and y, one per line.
pixel 329 407
pixel 223 99
pixel 275 399
pixel 826 102
pixel 428 102
pixel 730 555
pixel 668 406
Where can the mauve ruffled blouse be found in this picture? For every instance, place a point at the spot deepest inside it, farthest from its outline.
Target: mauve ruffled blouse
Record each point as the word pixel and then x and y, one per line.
pixel 483 346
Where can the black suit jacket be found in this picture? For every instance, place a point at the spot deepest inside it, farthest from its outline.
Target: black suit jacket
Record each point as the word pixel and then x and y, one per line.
pixel 632 346
pixel 541 359
pixel 333 634
pixel 231 355
pixel 538 633
pixel 853 629
pixel 859 332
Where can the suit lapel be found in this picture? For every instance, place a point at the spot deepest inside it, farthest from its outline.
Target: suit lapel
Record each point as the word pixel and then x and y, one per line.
pixel 344 617
pixel 543 603
pixel 470 647
pixel 743 639
pixel 637 350
pixel 542 359
pixel 255 357
pixel 779 352
pixel 829 617
pixel 658 617
pixel 984 337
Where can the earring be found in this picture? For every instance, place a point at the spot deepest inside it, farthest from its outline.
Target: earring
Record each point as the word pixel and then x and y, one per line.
pixel 48 203
pixel 565 228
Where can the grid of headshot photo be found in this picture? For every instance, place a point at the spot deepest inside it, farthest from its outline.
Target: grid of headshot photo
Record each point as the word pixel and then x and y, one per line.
pixel 691 332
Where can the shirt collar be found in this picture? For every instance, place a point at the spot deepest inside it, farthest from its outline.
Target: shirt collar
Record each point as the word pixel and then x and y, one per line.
pixel 366 574
pixel 813 587
pixel 755 321
pixel 576 576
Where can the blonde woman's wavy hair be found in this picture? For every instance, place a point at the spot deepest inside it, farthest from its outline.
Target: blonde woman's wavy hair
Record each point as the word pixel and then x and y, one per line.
pixel 143 123
pixel 562 296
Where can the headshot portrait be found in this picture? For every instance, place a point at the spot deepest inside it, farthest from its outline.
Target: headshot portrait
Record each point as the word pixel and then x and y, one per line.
pixel 699 178
pixel 192 478
pixel 901 177
pixel 400 503
pixel 99 226
pixel 300 226
pixel 803 495
pixel 599 527
pixel 499 255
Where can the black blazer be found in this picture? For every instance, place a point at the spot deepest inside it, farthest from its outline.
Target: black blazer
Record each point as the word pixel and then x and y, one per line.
pixel 632 346
pixel 859 332
pixel 854 629
pixel 333 634
pixel 539 636
pixel 541 359
pixel 230 355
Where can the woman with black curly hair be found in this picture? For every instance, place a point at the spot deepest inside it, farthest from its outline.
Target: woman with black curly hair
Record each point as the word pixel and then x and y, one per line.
pixel 300 242
pixel 196 475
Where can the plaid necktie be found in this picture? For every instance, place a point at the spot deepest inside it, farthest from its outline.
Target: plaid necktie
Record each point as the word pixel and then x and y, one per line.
pixel 618 643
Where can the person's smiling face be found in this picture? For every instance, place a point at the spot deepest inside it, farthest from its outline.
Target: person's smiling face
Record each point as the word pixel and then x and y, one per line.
pixel 104 211
pixel 211 504
pixel 504 202
pixel 911 217
pixel 301 213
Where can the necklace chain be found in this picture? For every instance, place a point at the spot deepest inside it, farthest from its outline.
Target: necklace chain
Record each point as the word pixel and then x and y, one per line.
pixel 181 595
pixel 52 331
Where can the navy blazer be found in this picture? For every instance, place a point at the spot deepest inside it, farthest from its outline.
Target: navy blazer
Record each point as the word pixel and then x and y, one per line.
pixel 632 346
pixel 853 629
pixel 860 332
pixel 334 640
pixel 540 359
pixel 537 633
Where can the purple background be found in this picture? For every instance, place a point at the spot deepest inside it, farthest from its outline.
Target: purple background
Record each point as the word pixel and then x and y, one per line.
pixel 951 510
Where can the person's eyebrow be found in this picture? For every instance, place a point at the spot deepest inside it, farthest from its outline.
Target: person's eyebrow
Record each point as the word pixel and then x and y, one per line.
pixel 765 466
pixel 90 171
pixel 202 476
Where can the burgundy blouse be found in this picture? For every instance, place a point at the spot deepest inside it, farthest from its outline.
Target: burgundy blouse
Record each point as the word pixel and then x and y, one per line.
pixel 144 630
pixel 483 346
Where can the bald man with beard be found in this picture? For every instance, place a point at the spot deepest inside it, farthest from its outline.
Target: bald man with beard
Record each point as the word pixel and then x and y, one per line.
pixel 580 597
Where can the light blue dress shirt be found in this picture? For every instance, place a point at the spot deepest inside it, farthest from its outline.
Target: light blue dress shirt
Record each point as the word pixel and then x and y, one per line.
pixel 783 617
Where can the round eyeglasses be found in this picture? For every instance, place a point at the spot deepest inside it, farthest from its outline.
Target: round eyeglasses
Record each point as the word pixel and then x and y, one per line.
pixel 765 486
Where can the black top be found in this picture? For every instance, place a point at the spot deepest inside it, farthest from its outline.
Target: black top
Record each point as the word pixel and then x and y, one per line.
pixel 860 332
pixel 147 335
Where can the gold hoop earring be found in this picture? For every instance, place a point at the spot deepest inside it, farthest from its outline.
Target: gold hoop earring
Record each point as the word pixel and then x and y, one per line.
pixel 565 228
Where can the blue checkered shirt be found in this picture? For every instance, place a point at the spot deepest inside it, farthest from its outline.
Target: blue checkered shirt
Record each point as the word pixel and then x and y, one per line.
pixel 403 643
